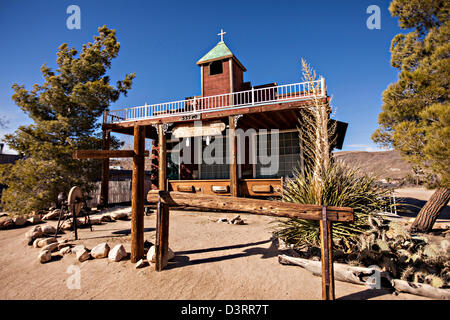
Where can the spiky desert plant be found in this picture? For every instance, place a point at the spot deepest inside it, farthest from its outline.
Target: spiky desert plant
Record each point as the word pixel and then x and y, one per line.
pixel 342 187
pixel 326 182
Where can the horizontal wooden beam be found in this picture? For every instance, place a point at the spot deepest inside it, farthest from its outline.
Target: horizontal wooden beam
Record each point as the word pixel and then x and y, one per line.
pixel 255 206
pixel 104 154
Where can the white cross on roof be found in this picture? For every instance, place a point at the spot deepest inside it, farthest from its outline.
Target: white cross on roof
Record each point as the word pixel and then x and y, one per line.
pixel 221 34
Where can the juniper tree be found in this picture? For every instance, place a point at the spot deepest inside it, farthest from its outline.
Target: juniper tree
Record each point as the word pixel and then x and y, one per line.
pixel 65 110
pixel 415 117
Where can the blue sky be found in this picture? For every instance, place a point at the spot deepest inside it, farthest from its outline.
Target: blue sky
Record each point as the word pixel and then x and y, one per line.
pixel 162 40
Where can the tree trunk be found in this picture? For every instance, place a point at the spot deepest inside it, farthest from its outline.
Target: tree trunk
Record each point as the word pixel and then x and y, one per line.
pixel 428 214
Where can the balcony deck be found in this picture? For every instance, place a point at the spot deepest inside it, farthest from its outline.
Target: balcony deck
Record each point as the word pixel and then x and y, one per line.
pixel 194 108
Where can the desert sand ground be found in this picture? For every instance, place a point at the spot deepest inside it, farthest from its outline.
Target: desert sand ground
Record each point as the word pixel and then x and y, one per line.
pixel 213 261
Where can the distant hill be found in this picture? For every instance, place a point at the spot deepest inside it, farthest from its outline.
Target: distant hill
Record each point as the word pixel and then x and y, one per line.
pixel 387 165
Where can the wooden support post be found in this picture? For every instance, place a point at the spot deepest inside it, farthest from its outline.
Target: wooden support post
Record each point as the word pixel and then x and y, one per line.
pixel 233 157
pixel 137 195
pixel 162 160
pixel 326 244
pixel 162 235
pixel 104 188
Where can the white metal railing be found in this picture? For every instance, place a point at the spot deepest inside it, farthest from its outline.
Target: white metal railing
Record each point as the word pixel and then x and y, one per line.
pixel 253 97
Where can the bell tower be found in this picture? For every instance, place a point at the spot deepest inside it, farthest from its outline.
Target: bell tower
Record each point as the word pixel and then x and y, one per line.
pixel 221 72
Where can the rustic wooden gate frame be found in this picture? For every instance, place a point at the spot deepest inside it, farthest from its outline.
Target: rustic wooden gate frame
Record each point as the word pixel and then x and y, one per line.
pixel 325 215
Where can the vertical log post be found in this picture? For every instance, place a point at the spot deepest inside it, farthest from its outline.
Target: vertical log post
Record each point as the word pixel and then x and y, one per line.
pixel 162 161
pixel 137 195
pixel 233 157
pixel 104 187
pixel 162 235
pixel 326 245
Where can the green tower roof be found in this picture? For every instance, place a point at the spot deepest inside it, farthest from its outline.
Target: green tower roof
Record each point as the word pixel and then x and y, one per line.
pixel 219 52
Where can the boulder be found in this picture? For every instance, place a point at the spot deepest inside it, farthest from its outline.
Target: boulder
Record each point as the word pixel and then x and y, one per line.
pixel 64 245
pixel 20 221
pixel 65 250
pixel 36 242
pixel 95 220
pixel 117 253
pixel 119 215
pixel 151 255
pixel 83 255
pixel 6 223
pixel 68 224
pixel 34 233
pixel 48 229
pixel 44 256
pixel 42 243
pixel 54 214
pixel 107 218
pixel 34 220
pixel 50 247
pixel 100 251
pixel 141 263
pixel 79 247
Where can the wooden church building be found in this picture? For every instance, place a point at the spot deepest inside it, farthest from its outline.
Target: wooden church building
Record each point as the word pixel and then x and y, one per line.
pixel 256 126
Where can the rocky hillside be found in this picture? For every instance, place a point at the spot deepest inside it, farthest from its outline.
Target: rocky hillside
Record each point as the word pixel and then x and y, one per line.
pixel 387 165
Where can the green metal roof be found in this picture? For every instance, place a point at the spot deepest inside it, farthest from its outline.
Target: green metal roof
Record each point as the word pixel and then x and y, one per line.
pixel 220 51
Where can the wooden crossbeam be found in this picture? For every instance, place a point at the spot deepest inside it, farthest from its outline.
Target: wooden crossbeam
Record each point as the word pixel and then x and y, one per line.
pixel 255 206
pixel 104 154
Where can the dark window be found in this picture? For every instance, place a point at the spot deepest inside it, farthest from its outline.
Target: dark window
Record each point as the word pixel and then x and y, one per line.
pixel 215 68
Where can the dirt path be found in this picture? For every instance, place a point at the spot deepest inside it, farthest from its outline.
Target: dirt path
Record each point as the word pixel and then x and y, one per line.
pixel 213 261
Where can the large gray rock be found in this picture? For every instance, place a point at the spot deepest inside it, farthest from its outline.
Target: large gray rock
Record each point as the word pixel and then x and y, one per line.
pixel 65 250
pixel 34 220
pixel 107 218
pixel 6 223
pixel 151 254
pixel 117 253
pixel 42 243
pixel 119 215
pixel 20 221
pixel 34 233
pixel 54 214
pixel 83 255
pixel 100 251
pixel 44 256
pixel 64 245
pixel 36 242
pixel 50 247
pixel 141 263
pixel 95 220
pixel 48 229
pixel 79 247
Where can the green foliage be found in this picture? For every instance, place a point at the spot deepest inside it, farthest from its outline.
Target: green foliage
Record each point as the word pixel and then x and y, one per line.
pixel 415 117
pixel 343 187
pixel 65 110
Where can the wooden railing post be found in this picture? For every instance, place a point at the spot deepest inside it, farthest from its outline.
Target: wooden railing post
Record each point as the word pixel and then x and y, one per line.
pixel 137 195
pixel 162 235
pixel 326 245
pixel 104 187
pixel 233 157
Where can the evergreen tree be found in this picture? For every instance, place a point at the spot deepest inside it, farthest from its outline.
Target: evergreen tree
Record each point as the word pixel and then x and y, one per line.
pixel 65 110
pixel 415 117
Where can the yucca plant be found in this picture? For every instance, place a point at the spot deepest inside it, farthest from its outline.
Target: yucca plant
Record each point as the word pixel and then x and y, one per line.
pixel 324 181
pixel 342 187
